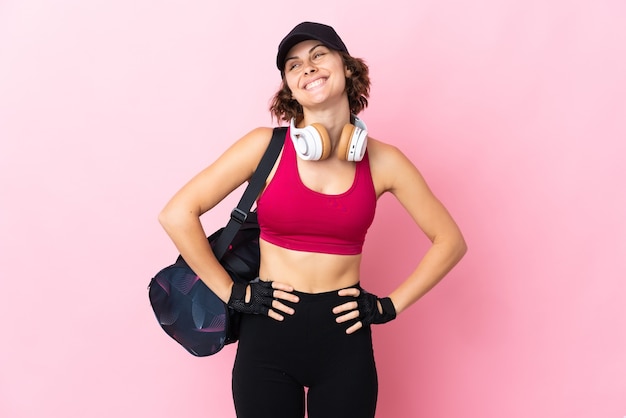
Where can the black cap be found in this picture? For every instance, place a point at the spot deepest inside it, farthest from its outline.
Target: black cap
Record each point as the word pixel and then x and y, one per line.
pixel 306 31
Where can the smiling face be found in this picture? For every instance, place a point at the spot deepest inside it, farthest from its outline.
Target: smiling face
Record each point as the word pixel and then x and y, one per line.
pixel 315 74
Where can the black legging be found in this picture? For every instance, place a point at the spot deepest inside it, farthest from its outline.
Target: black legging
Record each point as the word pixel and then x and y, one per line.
pixel 276 360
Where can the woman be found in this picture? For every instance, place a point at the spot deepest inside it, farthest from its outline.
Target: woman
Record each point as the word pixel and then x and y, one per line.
pixel 306 321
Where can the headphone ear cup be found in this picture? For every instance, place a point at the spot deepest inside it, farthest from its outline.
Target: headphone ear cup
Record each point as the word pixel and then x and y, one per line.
pixel 343 147
pixel 311 142
pixel 324 140
pixel 352 143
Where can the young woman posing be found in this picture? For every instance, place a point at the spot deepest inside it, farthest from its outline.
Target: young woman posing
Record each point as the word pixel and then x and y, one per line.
pixel 307 320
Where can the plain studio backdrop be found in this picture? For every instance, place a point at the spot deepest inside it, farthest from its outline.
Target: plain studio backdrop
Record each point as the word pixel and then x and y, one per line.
pixel 513 110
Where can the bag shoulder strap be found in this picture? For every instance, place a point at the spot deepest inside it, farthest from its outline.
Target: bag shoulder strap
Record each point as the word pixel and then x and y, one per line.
pixel 239 215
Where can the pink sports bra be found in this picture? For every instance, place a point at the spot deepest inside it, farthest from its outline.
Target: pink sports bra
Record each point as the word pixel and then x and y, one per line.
pixel 295 217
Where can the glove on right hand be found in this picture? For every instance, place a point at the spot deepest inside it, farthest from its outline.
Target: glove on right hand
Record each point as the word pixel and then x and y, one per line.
pixel 261 297
pixel 368 309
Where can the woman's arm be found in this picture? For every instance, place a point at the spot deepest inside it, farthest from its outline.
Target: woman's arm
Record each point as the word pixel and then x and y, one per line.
pixel 393 172
pixel 181 215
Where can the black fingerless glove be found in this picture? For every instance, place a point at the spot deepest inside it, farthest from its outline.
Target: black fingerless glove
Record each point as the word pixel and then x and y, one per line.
pixel 368 309
pixel 261 297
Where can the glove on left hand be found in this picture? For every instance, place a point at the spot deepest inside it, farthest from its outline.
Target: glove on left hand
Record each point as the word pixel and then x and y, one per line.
pixel 261 297
pixel 368 309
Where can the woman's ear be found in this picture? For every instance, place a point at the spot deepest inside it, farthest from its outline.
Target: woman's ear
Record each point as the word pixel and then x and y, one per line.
pixel 348 72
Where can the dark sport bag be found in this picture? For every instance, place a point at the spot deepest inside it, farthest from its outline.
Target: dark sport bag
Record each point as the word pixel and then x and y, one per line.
pixel 187 310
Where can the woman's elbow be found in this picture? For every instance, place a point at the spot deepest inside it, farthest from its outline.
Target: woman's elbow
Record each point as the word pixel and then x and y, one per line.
pixel 176 215
pixel 168 217
pixel 163 218
pixel 460 247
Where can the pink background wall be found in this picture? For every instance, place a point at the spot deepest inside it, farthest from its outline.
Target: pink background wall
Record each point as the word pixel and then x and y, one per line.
pixel 514 111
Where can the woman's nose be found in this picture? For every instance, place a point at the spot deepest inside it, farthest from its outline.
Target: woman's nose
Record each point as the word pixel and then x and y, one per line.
pixel 310 69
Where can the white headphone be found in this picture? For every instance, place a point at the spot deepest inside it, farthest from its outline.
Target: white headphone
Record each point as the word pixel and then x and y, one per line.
pixel 313 143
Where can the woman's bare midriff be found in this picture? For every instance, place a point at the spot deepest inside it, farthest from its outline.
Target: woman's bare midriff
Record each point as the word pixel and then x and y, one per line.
pixel 306 271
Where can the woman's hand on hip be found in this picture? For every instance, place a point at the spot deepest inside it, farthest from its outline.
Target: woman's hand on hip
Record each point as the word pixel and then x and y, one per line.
pixel 367 308
pixel 262 298
pixel 350 310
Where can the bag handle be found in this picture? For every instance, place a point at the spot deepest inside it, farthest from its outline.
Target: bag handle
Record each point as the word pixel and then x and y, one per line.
pixel 239 215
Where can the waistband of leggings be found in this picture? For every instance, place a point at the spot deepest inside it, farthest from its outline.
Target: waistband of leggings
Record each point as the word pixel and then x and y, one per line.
pixel 331 294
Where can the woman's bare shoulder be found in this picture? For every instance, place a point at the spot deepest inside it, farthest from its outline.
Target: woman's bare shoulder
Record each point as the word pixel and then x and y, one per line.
pixel 392 171
pixel 384 156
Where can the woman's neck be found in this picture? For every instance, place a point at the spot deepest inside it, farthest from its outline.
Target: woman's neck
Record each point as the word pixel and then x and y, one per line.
pixel 332 119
